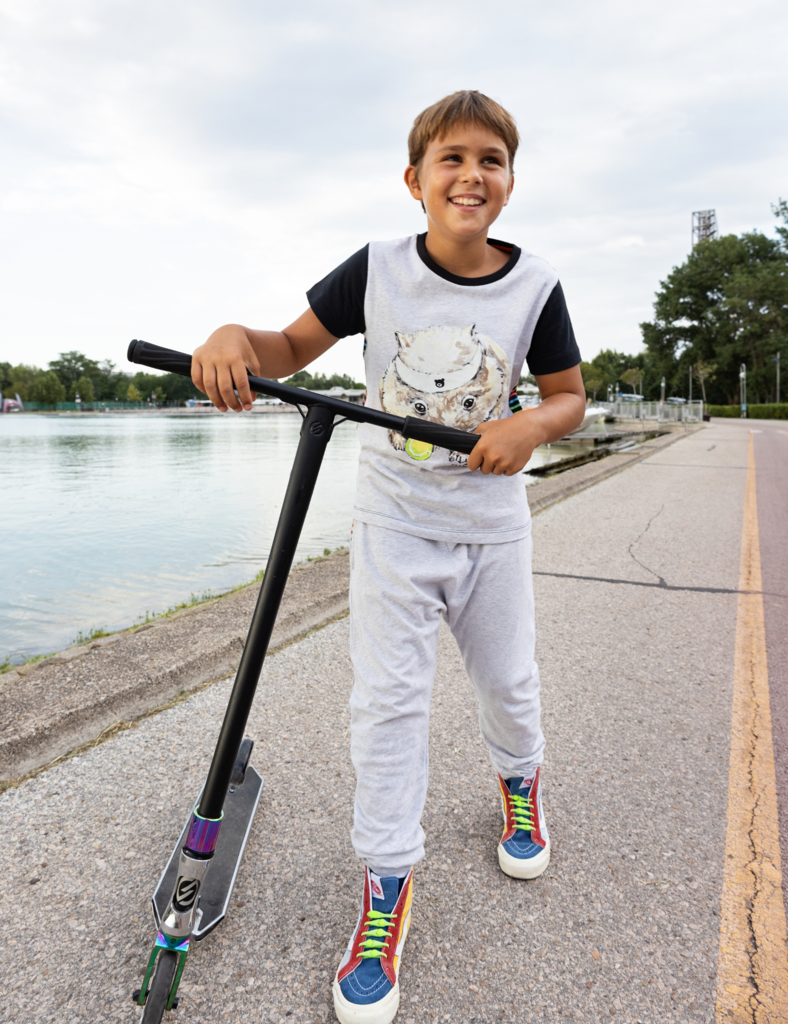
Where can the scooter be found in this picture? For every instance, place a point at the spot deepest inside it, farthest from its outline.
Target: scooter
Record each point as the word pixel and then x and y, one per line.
pixel 193 893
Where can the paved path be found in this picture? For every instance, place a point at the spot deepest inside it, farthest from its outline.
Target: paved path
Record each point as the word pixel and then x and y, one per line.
pixel 637 582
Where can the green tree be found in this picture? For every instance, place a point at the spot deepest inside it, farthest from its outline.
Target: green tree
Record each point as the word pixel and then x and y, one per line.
pixel 22 381
pixel 702 372
pixel 593 385
pixel 84 389
pixel 70 366
pixel 49 390
pixel 177 388
pixel 727 304
pixel 132 393
pixel 608 368
pixel 106 384
pixel 633 378
pixel 319 382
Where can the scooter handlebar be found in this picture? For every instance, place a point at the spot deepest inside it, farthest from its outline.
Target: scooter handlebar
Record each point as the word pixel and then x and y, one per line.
pixel 412 427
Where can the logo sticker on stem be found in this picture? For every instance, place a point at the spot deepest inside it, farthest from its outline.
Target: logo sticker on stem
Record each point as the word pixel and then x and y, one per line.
pixel 186 893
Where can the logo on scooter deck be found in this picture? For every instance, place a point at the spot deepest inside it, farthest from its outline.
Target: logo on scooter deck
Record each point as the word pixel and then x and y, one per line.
pixel 186 890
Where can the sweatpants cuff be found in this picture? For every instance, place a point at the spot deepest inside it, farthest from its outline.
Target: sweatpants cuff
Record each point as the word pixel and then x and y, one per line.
pixel 384 872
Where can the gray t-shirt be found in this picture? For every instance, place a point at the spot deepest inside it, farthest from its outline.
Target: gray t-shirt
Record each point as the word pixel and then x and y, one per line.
pixel 449 349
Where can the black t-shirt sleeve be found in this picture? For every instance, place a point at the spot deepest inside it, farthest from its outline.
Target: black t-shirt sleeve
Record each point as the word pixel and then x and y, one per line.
pixel 338 300
pixel 553 346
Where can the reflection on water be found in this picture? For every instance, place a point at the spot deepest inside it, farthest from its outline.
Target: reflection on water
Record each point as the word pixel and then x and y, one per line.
pixel 547 454
pixel 108 517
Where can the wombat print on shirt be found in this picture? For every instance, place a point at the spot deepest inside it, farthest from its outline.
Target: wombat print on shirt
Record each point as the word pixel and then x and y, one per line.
pixel 450 375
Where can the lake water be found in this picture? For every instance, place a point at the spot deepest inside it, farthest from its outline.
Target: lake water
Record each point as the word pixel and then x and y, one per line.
pixel 107 518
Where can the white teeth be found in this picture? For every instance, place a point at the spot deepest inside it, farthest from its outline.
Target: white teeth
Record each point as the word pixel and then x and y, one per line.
pixel 462 201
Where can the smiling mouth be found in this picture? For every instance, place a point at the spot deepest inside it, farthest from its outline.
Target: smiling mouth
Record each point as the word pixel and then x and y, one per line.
pixel 465 201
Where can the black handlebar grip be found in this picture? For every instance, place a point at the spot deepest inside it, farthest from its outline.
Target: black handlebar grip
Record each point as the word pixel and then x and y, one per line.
pixel 440 436
pixel 160 358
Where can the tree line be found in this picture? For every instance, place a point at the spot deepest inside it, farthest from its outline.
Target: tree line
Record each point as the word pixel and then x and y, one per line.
pixel 725 305
pixel 319 382
pixel 73 373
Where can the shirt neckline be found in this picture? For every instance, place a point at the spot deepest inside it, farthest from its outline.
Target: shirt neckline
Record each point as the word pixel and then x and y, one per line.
pixel 436 268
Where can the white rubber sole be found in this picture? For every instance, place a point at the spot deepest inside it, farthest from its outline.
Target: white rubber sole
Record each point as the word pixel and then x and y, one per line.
pixel 516 867
pixel 382 1012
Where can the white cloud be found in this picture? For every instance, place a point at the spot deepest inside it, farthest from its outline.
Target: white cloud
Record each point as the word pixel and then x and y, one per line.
pixel 167 168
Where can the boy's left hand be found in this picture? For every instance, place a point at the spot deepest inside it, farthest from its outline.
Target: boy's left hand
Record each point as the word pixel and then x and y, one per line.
pixel 506 445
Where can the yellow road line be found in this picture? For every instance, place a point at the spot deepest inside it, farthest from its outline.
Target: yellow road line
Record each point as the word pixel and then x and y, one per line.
pixel 752 979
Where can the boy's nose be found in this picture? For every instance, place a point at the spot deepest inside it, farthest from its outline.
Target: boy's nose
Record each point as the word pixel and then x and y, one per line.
pixel 472 173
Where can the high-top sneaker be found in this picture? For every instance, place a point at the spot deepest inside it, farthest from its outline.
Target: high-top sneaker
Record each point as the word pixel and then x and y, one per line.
pixel 524 849
pixel 366 989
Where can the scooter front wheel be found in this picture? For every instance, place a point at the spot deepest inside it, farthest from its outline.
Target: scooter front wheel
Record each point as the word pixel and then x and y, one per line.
pixel 159 990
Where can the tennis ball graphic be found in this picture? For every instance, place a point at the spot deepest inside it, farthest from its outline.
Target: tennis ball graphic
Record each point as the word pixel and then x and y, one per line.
pixel 419 450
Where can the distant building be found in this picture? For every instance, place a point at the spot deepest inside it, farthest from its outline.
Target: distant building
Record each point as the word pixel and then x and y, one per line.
pixel 353 395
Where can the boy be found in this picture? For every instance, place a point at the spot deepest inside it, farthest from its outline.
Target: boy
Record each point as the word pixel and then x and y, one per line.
pixel 449 317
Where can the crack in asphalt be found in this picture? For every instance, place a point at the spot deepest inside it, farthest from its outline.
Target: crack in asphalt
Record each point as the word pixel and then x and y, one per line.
pixel 662 582
pixel 754 1001
pixel 655 586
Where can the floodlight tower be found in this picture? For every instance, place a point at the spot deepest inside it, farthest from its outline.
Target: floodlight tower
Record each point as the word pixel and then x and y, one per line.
pixel 704 226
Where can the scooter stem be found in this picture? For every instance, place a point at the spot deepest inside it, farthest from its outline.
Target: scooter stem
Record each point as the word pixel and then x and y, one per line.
pixel 315 435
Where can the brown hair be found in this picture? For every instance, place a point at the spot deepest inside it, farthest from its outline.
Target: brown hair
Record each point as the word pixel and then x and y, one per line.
pixel 465 107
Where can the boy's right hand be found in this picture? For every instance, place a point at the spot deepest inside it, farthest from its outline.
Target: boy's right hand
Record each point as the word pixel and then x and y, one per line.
pixel 221 366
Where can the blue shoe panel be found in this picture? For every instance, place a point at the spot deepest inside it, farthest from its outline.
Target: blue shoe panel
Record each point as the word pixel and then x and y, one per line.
pixel 367 984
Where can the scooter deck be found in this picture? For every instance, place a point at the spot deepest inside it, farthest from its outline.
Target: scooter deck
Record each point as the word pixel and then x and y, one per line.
pixel 239 811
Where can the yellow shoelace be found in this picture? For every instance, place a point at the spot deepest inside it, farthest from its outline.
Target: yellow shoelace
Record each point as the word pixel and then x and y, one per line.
pixel 523 812
pixel 379 926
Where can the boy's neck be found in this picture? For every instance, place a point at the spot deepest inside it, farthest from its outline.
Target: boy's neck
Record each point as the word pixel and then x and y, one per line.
pixel 471 257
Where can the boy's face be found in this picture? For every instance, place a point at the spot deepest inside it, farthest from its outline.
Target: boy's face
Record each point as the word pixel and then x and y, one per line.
pixel 464 181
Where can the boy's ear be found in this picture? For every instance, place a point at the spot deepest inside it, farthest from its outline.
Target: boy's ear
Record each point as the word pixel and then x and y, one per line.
pixel 509 190
pixel 412 181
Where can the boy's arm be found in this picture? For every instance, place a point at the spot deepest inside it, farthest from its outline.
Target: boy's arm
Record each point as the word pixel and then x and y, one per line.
pixel 222 363
pixel 507 445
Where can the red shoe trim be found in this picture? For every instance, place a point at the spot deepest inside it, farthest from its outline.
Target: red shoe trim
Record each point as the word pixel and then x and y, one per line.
pixel 536 833
pixel 366 906
pixel 510 827
pixel 387 959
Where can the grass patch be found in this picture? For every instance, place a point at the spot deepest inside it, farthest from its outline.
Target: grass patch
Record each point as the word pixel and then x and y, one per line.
pixel 9 666
pixel 95 633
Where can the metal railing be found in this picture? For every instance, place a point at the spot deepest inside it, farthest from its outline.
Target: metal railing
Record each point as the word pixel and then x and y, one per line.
pixel 660 412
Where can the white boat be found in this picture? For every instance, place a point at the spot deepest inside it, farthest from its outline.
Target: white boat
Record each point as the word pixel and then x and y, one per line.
pixel 593 413
pixel 530 398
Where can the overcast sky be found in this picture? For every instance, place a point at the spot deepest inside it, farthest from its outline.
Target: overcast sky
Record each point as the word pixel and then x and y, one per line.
pixel 169 167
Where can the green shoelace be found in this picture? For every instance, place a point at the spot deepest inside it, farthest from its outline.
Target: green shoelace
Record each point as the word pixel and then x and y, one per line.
pixel 523 812
pixel 379 927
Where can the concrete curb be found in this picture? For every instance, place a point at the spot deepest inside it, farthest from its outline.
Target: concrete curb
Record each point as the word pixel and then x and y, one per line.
pixel 51 707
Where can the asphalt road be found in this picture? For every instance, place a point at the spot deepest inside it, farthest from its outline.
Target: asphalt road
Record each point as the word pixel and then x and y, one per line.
pixel 636 582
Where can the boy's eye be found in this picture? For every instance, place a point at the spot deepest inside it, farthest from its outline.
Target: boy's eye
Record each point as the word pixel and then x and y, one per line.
pixel 468 403
pixel 420 408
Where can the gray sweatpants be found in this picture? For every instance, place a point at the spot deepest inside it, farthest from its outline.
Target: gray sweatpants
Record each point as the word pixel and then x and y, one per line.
pixel 400 587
